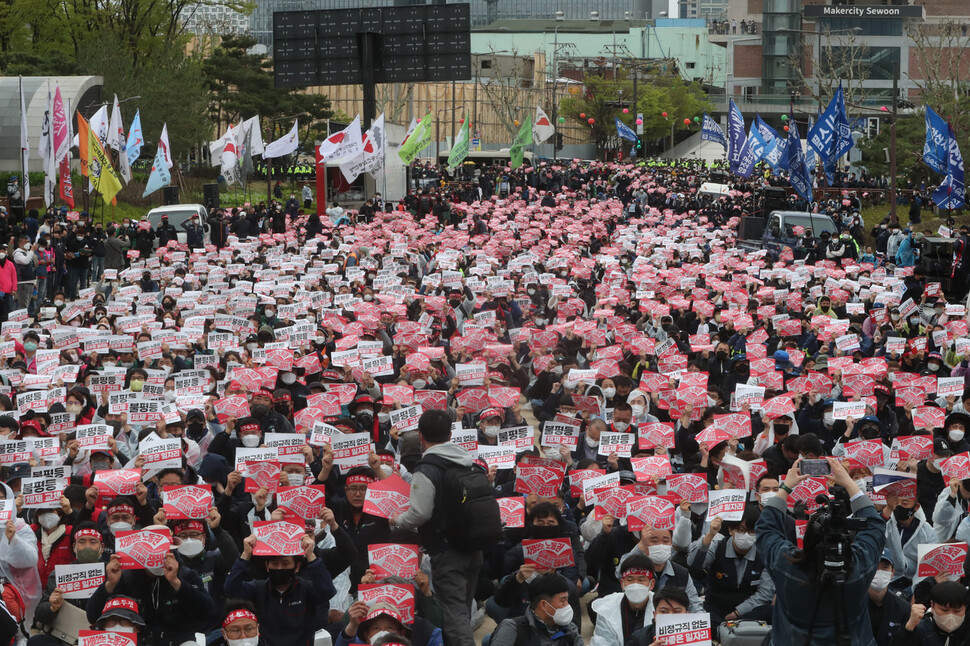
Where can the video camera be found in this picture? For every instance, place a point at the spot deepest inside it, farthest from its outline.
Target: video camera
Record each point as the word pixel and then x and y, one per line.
pixel 835 530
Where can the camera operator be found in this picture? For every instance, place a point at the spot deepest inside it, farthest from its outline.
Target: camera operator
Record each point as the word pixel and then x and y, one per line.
pixel 803 580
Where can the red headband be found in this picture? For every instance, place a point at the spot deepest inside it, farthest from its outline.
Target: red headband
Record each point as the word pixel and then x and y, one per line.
pixel 242 613
pixel 388 459
pixel 284 397
pixel 249 427
pixel 89 533
pixel 189 525
pixel 121 509
pixel 359 479
pixel 634 571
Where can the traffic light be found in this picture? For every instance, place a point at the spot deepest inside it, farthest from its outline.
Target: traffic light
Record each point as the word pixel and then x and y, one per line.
pixel 639 147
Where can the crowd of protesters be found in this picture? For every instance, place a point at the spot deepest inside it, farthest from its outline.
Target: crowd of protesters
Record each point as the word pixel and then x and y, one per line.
pixel 581 348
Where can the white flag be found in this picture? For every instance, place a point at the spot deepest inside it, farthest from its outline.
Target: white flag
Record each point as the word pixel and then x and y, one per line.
pixel 166 147
pixel 24 144
pixel 99 125
pixel 343 145
pixel 251 125
pixel 411 127
pixel 542 127
pixel 116 131
pixel 229 158
pixel 374 158
pixel 286 145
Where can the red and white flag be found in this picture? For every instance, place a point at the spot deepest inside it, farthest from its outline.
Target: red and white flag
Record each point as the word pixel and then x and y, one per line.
pixel 542 127
pixel 346 144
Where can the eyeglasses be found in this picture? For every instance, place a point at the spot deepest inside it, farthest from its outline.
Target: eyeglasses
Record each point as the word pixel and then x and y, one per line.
pixel 357 489
pixel 249 630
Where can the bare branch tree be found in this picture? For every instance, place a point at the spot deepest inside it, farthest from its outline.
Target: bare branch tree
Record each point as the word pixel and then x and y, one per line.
pixel 941 70
pixel 393 98
pixel 843 58
pixel 503 92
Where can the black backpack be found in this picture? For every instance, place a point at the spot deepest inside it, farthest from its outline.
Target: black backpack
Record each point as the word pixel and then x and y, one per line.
pixel 469 517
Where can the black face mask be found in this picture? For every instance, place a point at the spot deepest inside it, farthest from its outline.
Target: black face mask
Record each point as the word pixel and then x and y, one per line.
pixel 781 429
pixel 365 417
pixel 195 431
pixel 282 410
pixel 903 514
pixel 721 355
pixel 869 432
pixel 259 410
pixel 280 578
pixel 454 302
pixel 545 531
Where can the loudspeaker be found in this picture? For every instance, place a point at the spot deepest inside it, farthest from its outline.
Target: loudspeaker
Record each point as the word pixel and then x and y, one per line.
pixel 775 199
pixel 210 196
pixel 751 228
pixel 170 195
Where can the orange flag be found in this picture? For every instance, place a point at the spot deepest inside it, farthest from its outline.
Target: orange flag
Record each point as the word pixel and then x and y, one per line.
pixel 82 142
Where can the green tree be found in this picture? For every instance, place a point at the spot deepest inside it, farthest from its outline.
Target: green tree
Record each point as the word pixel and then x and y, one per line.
pixel 657 92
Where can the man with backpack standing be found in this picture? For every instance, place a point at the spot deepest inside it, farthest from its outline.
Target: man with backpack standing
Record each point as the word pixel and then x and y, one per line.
pixel 456 515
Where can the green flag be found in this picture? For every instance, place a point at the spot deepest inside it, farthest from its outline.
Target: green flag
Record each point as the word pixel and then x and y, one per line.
pixel 417 142
pixel 459 149
pixel 523 139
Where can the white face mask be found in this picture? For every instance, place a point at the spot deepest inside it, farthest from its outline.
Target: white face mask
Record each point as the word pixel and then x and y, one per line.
pixel 169 396
pixel 156 571
pixel 562 616
pixel 384 417
pixel 569 384
pixel 376 636
pixel 861 484
pixel 743 541
pixel 295 479
pixel 48 520
pixel 288 378
pixel 828 418
pixel 880 580
pixel 768 495
pixel 250 441
pixel 120 526
pixel 491 432
pixel 191 547
pixel 591 443
pixel 621 426
pixel 419 384
pixel 638 410
pixel 118 628
pixel 551 452
pixel 948 623
pixel 609 393
pixel 659 554
pixel 938 463
pixel 956 436
pixel 636 593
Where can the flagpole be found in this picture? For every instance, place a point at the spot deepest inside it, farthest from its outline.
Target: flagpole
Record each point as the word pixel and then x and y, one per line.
pixel 23 166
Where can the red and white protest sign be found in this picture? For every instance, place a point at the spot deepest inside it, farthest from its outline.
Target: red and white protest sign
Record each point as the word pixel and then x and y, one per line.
pixel 929 417
pixel 656 434
pixel 513 512
pixel 693 629
pixel 143 549
pixel 649 511
pixel 728 504
pixel 388 498
pixel 807 491
pixel 262 475
pixel 117 482
pixel 915 447
pixel 351 450
pixel 105 638
pixel 306 501
pixel 188 502
pixel 845 410
pixel 396 595
pixel 541 480
pixel 278 538
pixel 688 486
pixel 393 559
pixel 941 558
pixel 868 453
pixel 654 466
pixel 78 580
pixel 957 466
pixel 548 553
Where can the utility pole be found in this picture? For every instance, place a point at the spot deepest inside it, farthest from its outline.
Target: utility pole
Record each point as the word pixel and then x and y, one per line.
pixel 893 218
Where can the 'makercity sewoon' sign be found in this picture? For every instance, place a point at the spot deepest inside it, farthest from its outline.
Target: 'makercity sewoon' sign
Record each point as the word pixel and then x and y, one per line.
pixel 863 11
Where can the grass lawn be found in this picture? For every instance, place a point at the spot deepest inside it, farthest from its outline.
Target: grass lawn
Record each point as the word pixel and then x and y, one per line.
pixel 873 215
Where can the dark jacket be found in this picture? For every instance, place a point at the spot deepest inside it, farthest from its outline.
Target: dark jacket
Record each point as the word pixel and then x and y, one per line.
pixel 928 634
pixel 171 617
pixel 292 617
pixel 889 618
pixel 796 588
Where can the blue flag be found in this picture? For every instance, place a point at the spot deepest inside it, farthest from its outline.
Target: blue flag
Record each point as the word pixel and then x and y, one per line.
pixel 754 148
pixel 798 174
pixel 935 149
pixel 736 138
pixel 135 139
pixel 774 152
pixel 160 175
pixel 952 193
pixel 810 155
pixel 712 132
pixel 843 133
pixel 624 131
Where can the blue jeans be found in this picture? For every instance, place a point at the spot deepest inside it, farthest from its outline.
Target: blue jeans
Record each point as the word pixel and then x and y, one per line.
pixel 97 268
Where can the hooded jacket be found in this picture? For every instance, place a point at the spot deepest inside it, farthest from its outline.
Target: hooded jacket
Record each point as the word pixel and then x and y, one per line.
pixel 609 619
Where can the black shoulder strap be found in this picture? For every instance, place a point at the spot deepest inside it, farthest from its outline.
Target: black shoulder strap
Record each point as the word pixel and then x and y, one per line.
pixel 522 630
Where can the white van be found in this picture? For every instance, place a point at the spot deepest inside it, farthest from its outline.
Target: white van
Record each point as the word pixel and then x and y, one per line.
pixel 177 214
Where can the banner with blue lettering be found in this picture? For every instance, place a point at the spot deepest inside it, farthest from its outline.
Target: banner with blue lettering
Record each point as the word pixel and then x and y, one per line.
pixel 712 132
pixel 754 148
pixel 624 131
pixel 736 139
pixel 952 193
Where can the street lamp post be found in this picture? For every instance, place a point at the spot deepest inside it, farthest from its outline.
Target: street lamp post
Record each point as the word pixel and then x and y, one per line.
pixel 437 130
pixel 560 17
